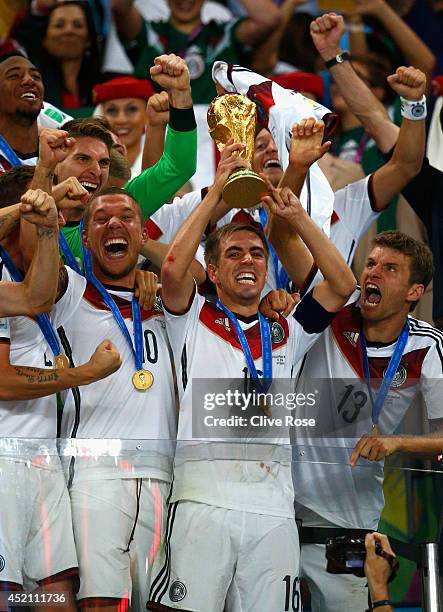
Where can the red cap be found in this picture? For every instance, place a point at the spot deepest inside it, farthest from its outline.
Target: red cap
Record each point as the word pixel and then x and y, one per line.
pixel 122 87
pixel 301 81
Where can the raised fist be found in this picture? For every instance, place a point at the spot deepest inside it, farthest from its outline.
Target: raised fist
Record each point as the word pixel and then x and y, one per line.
pixel 410 83
pixel 157 110
pixel 38 207
pixel 53 147
pixel 326 32
pixel 105 360
pixel 171 72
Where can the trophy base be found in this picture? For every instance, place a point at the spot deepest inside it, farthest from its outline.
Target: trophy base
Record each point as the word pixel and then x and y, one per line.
pixel 243 189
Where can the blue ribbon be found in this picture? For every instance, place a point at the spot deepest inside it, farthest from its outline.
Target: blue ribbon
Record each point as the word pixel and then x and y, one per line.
pixel 110 302
pixel 67 253
pixel 377 403
pixel 43 320
pixel 9 153
pixel 281 276
pixel 266 345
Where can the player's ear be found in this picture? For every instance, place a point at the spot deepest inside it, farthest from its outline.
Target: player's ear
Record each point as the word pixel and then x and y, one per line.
pixel 85 237
pixel 145 236
pixel 212 273
pixel 415 292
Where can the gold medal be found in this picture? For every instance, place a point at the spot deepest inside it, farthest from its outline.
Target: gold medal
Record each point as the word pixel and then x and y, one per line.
pixel 143 379
pixel 375 430
pixel 61 362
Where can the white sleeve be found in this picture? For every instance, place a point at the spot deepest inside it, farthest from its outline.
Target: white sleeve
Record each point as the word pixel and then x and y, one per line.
pixel 68 303
pixel 170 217
pixel 179 327
pixel 354 207
pixel 431 380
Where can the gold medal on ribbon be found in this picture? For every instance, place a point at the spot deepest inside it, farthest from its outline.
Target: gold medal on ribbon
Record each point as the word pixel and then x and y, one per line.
pixel 61 362
pixel 375 430
pixel 143 379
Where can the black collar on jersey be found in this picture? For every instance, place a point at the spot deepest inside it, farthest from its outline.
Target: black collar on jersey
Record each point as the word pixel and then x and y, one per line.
pixel 72 224
pixel 380 344
pixel 118 288
pixel 244 319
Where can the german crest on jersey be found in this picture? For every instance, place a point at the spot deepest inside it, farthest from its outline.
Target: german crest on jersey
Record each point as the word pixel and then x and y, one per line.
pixel 177 591
pixel 399 377
pixel 277 333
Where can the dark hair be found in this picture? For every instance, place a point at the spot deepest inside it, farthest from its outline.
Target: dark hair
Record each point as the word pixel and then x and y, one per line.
pixel 421 261
pixel 14 183
pixel 212 246
pixel 6 56
pixel 111 191
pixel 31 32
pixel 296 46
pixel 377 74
pixel 89 126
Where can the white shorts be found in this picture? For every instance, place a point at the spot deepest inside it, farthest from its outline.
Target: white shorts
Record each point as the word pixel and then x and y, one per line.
pixel 215 556
pixel 36 539
pixel 331 592
pixel 118 528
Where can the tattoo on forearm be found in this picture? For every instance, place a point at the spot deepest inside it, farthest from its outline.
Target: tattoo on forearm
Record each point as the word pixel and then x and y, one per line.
pixel 45 232
pixel 7 223
pixel 36 375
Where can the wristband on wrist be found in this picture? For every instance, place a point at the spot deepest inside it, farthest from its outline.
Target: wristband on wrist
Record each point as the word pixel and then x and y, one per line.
pixel 338 59
pixel 354 28
pixel 415 110
pixel 379 604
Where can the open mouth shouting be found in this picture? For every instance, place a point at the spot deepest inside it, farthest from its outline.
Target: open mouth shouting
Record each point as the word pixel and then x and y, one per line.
pixel 246 278
pixel 89 186
pixel 372 295
pixel 116 247
pixel 272 163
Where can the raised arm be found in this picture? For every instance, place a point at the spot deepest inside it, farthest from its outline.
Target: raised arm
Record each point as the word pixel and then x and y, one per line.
pixel 339 281
pixel 155 185
pixel 407 159
pixel 177 280
pixel 9 219
pixel 414 50
pixel 157 113
pixel 127 18
pixel 263 16
pixel 326 32
pixel 156 253
pixel 36 294
pixel 306 148
pixel 19 382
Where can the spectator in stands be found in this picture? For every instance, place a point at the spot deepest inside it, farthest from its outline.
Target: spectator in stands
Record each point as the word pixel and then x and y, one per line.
pixel 185 34
pixel 122 102
pixel 64 45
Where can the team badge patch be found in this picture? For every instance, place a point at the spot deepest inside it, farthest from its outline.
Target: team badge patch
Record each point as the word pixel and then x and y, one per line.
pixel 277 333
pixel 3 323
pixel 2 563
pixel 225 322
pixel 177 591
pixel 195 61
pixel 399 378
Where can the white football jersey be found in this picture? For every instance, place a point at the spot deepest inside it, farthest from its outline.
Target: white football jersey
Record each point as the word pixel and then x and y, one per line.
pixel 323 479
pixel 139 427
pixel 35 418
pixel 252 475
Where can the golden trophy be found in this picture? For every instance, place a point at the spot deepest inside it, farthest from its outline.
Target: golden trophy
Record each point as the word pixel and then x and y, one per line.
pixel 233 116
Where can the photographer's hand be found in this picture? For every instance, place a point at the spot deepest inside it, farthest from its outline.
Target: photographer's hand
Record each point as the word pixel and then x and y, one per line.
pixel 378 570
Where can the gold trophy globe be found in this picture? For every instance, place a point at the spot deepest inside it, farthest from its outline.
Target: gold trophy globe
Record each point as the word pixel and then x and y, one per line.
pixel 233 116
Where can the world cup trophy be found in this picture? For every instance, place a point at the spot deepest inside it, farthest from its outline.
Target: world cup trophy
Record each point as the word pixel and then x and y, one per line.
pixel 233 116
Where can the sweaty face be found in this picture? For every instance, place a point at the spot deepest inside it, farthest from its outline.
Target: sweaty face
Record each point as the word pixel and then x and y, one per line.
pixel 21 88
pixel 385 286
pixel 185 11
pixel 114 236
pixel 241 270
pixel 266 157
pixel 127 117
pixel 88 161
pixel 67 35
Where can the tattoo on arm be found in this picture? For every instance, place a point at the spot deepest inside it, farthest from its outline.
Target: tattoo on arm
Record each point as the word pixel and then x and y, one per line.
pixel 45 232
pixel 36 375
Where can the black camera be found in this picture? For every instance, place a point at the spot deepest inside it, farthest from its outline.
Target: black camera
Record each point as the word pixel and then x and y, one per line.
pixel 347 555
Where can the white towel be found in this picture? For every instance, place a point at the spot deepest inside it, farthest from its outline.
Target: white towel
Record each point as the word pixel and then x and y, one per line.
pixel 435 138
pixel 278 109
